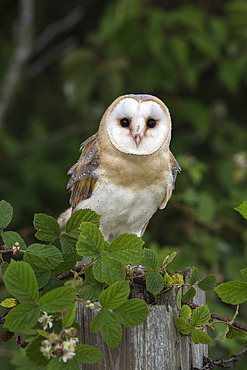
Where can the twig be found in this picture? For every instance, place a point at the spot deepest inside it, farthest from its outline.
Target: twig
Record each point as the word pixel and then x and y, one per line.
pixel 210 364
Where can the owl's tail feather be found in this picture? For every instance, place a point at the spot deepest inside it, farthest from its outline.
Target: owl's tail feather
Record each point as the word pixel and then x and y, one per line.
pixel 63 218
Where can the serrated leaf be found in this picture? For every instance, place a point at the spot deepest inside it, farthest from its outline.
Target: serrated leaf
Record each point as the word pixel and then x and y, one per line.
pixel 150 259
pixel 42 256
pixel 47 227
pixel 68 244
pixel 201 316
pixel 34 354
pixel 22 317
pixel 79 216
pixel 56 364
pixel 115 295
pixel 69 262
pixel 235 333
pixel 199 336
pixel 108 270
pixel 90 292
pixel 208 283
pixel 244 273
pixel 52 284
pixel 4 266
pixel 90 242
pixel 185 312
pixel 191 292
pixel 6 214
pixel 177 279
pixel 242 209
pixel 132 312
pixel 69 318
pixel 168 279
pixel 20 281
pixel 90 277
pixel 168 259
pixel 155 283
pixel 10 238
pixel 57 300
pixel 9 302
pixel 234 292
pixel 126 248
pixel 179 298
pixel 87 354
pixel 183 326
pixel 42 277
pixel 194 275
pixel 109 327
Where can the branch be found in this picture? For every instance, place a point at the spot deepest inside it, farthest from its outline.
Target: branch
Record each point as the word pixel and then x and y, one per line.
pixel 210 364
pixel 21 55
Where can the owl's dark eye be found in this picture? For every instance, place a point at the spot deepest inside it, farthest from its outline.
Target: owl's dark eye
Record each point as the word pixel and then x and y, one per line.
pixel 151 123
pixel 124 122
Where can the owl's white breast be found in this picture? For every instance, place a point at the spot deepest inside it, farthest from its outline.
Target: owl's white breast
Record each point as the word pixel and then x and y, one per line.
pixel 123 209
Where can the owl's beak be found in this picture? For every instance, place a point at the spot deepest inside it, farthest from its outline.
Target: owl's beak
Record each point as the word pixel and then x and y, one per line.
pixel 137 138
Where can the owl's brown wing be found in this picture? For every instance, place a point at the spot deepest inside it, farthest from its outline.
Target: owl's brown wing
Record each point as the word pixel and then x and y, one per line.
pixel 83 179
pixel 174 169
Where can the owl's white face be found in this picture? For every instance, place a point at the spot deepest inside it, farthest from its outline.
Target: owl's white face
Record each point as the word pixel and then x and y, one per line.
pixel 139 127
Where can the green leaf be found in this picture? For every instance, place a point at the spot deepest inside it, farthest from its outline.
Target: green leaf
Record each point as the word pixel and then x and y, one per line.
pixel 68 244
pixel 57 300
pixel 6 214
pixel 69 318
pixel 90 242
pixel 109 327
pixel 22 317
pixel 244 273
pixel 208 283
pixel 115 295
pixel 235 333
pixel 234 292
pixel 183 326
pixel 199 336
pixel 34 354
pixel 150 259
pixel 132 312
pixel 90 292
pixel 185 312
pixel 69 262
pixel 42 256
pixel 11 237
pixel 47 227
pixel 42 277
pixel 189 294
pixel 155 283
pixel 79 216
pixel 242 209
pixel 108 270
pixel 194 275
pixel 201 316
pixel 90 277
pixel 87 354
pixel 168 259
pixel 127 248
pixel 20 281
pixel 55 364
pixel 53 283
pixel 168 279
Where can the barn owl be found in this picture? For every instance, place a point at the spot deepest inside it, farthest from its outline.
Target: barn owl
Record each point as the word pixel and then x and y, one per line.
pixel 126 170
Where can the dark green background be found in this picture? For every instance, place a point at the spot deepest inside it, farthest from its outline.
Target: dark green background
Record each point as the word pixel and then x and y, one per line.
pixel 193 56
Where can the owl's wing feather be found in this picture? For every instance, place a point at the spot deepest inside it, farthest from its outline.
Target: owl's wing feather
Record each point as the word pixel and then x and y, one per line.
pixel 83 179
pixel 174 169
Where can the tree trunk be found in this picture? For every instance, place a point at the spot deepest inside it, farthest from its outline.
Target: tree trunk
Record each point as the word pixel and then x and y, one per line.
pixel 155 344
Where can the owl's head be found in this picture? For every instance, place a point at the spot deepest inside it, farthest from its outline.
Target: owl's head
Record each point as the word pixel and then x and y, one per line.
pixel 138 124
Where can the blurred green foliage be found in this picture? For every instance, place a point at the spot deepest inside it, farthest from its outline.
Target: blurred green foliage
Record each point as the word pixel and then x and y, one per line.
pixel 192 55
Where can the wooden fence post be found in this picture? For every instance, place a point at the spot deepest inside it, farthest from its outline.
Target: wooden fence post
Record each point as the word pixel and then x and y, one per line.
pixel 155 344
